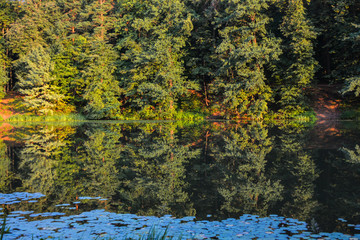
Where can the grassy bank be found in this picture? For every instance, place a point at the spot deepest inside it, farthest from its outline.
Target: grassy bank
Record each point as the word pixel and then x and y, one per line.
pixel 46 118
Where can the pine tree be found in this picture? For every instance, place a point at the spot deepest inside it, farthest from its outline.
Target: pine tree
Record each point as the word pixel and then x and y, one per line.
pixel 348 16
pixel 36 82
pixel 102 89
pixel 201 61
pixel 352 82
pixel 9 11
pixel 98 18
pixel 71 59
pixel 72 10
pixel 4 79
pixel 339 22
pixel 297 66
pixel 246 47
pixel 35 28
pixel 153 35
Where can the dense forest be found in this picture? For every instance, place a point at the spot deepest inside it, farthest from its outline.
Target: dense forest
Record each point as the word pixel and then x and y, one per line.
pixel 163 59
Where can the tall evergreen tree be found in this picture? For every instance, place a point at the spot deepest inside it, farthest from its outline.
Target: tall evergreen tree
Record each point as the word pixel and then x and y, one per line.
pixel 352 82
pixel 153 35
pixel 339 41
pixel 4 79
pixel 201 61
pixel 9 11
pixel 348 17
pixel 71 17
pixel 246 48
pixel 297 66
pixel 35 27
pixel 102 89
pixel 98 18
pixel 36 82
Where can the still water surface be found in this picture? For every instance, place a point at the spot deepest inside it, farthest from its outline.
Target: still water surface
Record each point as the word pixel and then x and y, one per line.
pixel 220 180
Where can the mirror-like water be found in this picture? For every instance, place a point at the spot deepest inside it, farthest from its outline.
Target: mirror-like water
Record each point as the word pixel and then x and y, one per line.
pixel 212 179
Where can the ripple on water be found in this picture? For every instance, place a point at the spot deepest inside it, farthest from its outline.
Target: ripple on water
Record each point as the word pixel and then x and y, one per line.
pixel 100 223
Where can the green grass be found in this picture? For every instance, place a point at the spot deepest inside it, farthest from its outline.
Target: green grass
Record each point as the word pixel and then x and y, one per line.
pixel 192 116
pixel 307 116
pixel 152 235
pixel 4 229
pixel 179 115
pixel 46 118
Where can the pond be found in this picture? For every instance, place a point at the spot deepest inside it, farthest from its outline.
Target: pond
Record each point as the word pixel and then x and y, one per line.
pixel 198 180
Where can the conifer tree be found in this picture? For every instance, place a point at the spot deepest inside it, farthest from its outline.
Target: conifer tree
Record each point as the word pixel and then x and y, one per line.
pixel 9 11
pixel 71 17
pixel 348 18
pixel 66 70
pixel 102 89
pixel 352 82
pixel 153 34
pixel 71 59
pixel 36 82
pixel 4 79
pixel 98 18
pixel 201 61
pixel 339 22
pixel 297 66
pixel 246 47
pixel 35 27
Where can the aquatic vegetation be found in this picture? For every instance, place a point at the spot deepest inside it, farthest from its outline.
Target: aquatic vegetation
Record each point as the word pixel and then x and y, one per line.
pixel 4 229
pixel 101 224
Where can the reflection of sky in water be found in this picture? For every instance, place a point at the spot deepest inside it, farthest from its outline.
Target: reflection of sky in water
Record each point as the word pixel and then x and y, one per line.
pixel 99 223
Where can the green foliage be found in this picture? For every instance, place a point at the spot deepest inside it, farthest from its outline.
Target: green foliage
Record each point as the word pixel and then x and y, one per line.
pixel 4 79
pixel 102 89
pixel 352 83
pixel 7 176
pixel 35 82
pixel 35 27
pixel 4 230
pixel 153 37
pixel 246 48
pixel 159 59
pixel 46 118
pixel 201 61
pixel 297 64
pixel 155 235
pixel 350 114
pixel 352 156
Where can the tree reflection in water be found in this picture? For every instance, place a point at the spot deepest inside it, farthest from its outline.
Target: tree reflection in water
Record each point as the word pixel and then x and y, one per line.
pixel 221 169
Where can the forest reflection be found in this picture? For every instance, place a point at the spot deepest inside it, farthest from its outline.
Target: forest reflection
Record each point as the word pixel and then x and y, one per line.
pixel 222 169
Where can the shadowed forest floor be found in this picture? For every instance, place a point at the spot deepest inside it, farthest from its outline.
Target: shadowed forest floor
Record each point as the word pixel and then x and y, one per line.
pixel 326 101
pixel 8 105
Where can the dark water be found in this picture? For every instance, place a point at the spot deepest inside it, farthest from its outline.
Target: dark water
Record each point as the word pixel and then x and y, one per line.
pixel 209 171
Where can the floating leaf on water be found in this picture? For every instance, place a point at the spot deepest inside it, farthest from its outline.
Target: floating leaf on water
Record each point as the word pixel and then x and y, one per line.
pixel 62 205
